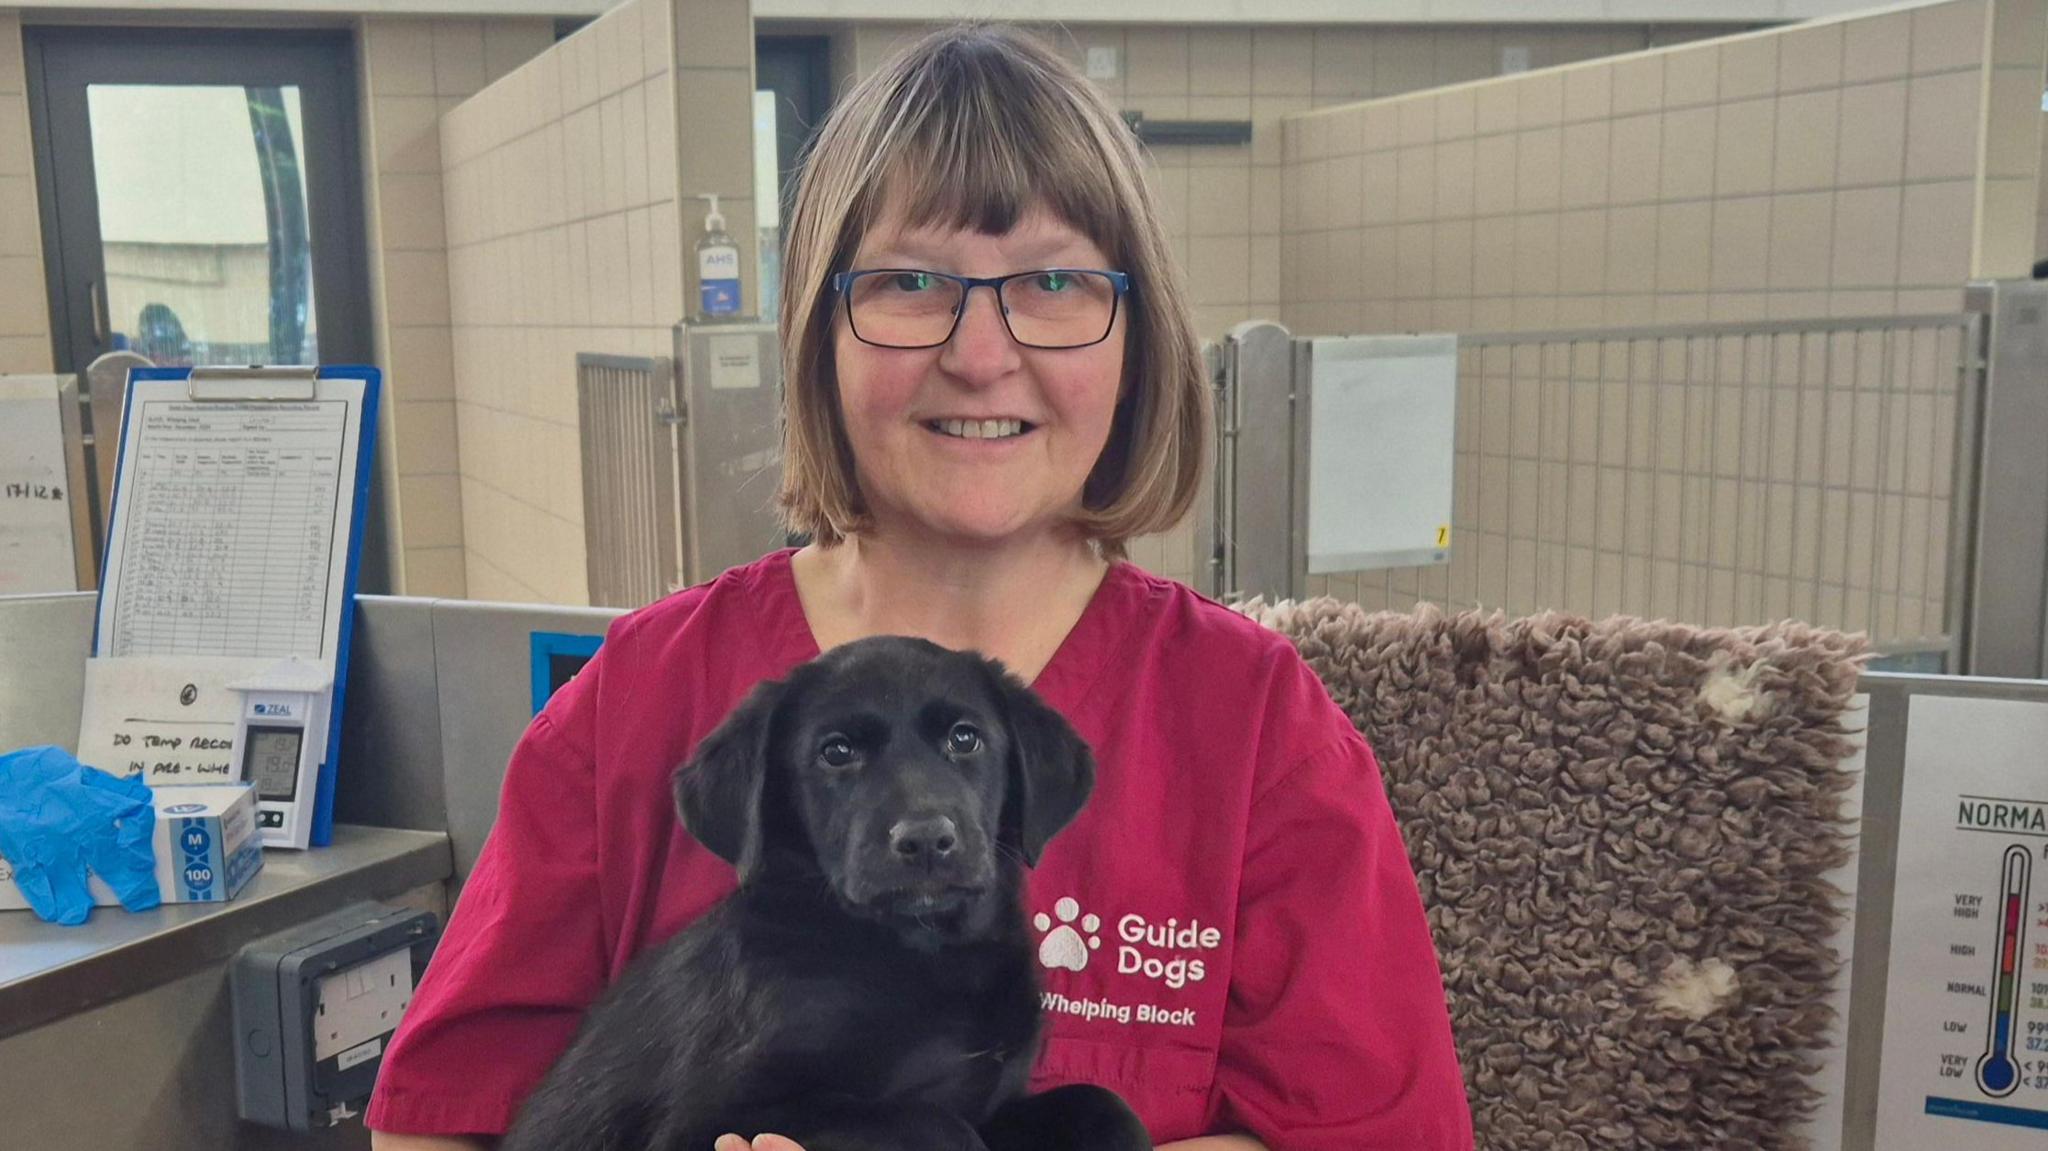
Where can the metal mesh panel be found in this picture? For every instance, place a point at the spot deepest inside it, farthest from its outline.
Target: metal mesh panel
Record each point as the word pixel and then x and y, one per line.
pixel 626 405
pixel 1718 474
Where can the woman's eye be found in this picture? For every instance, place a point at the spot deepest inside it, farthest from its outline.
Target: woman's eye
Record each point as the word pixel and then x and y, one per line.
pixel 836 752
pixel 1054 281
pixel 911 281
pixel 963 739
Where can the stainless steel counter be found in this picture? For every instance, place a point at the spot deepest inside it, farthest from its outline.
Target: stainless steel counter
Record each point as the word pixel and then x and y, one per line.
pixel 48 972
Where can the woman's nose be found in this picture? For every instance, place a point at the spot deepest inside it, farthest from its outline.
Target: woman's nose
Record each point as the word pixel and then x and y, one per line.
pixel 981 347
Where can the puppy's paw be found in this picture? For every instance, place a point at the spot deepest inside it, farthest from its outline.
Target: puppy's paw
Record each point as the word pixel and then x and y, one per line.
pixel 1077 1117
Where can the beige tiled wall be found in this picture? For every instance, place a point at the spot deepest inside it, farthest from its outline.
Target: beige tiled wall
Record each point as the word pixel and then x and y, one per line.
pixel 2008 232
pixel 24 305
pixel 566 222
pixel 1222 204
pixel 1866 166
pixel 1831 168
pixel 1721 481
pixel 413 70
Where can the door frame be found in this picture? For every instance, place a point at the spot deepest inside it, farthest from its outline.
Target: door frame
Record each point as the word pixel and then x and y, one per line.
pixel 809 57
pixel 62 59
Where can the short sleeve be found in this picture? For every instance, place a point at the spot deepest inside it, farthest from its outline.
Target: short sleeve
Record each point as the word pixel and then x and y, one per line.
pixel 1336 1036
pixel 523 955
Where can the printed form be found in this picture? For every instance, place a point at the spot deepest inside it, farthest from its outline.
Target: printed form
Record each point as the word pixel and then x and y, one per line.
pixel 228 549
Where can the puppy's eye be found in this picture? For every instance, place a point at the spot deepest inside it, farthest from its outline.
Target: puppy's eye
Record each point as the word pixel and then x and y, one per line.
pixel 836 751
pixel 963 739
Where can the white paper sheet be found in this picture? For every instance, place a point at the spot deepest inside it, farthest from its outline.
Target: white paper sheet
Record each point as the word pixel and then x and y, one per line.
pixel 225 540
pixel 35 489
pixel 1382 427
pixel 169 719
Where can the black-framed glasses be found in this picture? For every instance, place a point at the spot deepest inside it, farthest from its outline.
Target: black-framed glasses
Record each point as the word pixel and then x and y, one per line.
pixel 1047 308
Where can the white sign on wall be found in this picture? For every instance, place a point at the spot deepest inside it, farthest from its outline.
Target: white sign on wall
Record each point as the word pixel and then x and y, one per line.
pixel 1966 1007
pixel 1382 451
pixel 37 547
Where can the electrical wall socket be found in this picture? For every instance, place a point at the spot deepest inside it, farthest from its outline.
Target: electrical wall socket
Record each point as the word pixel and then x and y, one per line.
pixel 361 1003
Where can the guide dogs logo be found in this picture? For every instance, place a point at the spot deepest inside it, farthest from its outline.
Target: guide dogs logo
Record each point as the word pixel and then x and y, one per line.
pixel 1064 947
pixel 1168 952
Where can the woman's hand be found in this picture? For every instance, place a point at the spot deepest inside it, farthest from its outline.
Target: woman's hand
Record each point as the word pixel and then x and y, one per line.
pixel 760 1143
pixel 1211 1143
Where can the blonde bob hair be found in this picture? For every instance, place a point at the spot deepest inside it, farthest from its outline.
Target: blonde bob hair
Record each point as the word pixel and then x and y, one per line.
pixel 973 127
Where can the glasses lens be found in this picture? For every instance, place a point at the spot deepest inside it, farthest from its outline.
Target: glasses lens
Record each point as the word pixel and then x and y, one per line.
pixel 1059 309
pixel 903 309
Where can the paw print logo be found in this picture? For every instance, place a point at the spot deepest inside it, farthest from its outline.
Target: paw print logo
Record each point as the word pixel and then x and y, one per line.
pixel 1063 946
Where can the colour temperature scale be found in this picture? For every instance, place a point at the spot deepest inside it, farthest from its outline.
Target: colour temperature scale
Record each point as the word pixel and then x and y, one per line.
pixel 1998 1073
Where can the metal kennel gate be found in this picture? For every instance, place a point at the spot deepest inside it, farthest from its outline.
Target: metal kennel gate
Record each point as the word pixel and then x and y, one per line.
pixel 1722 474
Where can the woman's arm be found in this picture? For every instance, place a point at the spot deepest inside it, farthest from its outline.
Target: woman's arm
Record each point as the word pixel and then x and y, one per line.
pixel 383 1141
pixel 778 1143
pixel 524 951
pixel 1336 1036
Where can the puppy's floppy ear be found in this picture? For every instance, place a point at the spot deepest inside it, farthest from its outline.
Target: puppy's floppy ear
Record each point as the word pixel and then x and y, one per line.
pixel 1051 769
pixel 718 792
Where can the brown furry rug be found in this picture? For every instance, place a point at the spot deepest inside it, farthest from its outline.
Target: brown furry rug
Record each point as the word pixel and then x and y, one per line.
pixel 1621 830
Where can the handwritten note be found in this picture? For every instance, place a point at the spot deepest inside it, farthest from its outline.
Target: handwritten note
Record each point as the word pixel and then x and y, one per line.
pixel 35 506
pixel 169 719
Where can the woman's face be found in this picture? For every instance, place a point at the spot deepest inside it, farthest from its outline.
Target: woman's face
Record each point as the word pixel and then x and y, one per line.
pixel 918 474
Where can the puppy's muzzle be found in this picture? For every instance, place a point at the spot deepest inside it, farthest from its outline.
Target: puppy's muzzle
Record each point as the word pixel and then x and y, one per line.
pixel 924 863
pixel 924 842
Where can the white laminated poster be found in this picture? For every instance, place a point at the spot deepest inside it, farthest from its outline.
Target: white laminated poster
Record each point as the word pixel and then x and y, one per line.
pixel 1966 1009
pixel 1383 420
pixel 37 524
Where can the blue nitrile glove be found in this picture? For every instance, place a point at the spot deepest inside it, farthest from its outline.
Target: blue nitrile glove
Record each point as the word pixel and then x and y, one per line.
pixel 59 816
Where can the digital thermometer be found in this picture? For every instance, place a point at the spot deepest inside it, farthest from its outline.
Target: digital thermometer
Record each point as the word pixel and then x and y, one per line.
pixel 280 738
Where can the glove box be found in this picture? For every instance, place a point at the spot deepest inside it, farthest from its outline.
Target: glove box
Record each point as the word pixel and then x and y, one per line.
pixel 207 848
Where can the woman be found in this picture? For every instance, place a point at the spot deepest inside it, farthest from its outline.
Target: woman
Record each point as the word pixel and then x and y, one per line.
pixel 992 385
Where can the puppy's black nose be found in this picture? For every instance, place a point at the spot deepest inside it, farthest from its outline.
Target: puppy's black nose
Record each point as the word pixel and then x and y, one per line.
pixel 923 840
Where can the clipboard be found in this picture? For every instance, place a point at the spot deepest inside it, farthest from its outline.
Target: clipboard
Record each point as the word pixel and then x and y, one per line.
pixel 226 609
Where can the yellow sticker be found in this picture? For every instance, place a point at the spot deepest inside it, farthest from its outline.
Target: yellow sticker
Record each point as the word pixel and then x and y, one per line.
pixel 1443 535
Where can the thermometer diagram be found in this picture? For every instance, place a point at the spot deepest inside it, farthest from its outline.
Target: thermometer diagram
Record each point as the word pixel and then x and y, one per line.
pixel 1998 1073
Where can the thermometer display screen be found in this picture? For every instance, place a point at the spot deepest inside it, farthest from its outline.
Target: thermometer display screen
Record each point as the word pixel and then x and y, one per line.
pixel 272 760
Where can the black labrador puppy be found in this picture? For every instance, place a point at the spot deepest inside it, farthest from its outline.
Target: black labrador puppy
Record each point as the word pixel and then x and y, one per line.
pixel 871 985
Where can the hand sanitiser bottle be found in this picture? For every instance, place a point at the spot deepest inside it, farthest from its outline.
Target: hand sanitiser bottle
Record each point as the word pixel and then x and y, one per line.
pixel 718 266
